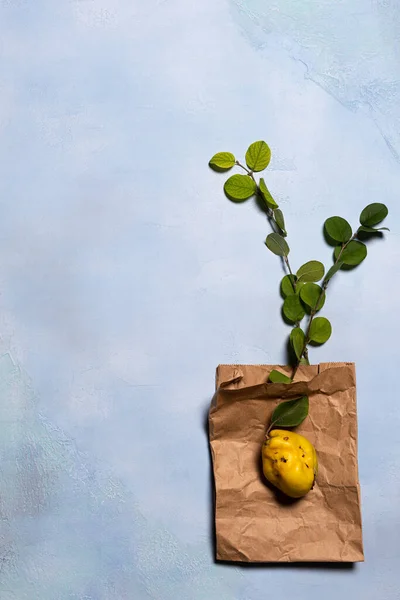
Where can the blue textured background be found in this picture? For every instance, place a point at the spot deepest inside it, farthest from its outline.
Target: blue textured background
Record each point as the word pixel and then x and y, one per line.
pixel 126 276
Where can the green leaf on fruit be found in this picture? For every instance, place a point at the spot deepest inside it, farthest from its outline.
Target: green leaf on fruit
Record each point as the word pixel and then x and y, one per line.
pixel 290 413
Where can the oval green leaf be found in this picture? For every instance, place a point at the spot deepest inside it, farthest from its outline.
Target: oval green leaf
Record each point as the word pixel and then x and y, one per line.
pixel 353 254
pixel 293 308
pixel 320 330
pixel 239 188
pixel 222 161
pixel 297 339
pixel 279 220
pixel 290 413
pixel 277 244
pixel 266 195
pixel 311 271
pixel 313 296
pixel 258 156
pixel 278 377
pixel 287 288
pixel 334 269
pixel 338 229
pixel 366 229
pixel 373 214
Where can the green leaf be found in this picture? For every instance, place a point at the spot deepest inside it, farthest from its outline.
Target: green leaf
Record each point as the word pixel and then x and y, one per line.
pixel 265 193
pixel 353 254
pixel 280 221
pixel 311 271
pixel 287 285
pixel 258 156
pixel 278 377
pixel 320 330
pixel 338 229
pixel 304 361
pixel 372 229
pixel 222 161
pixel 293 308
pixel 334 269
pixel 290 413
pixel 277 244
pixel 239 187
pixel 311 294
pixel 373 214
pixel 297 339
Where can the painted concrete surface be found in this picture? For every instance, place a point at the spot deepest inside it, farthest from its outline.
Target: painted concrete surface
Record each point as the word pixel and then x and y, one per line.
pixel 126 276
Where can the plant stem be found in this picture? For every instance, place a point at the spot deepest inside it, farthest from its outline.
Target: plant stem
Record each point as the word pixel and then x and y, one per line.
pixel 250 173
pixel 324 286
pixel 292 280
pixel 269 429
pixel 344 246
pixel 270 212
pixel 276 228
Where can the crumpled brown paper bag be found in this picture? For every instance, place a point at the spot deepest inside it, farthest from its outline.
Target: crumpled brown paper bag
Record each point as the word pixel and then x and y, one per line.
pixel 253 523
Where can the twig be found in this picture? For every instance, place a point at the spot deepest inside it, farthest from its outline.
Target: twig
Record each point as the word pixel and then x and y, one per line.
pixel 276 229
pixel 315 310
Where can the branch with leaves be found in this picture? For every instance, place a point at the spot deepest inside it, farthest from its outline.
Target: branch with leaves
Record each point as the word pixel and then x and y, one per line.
pixel 303 295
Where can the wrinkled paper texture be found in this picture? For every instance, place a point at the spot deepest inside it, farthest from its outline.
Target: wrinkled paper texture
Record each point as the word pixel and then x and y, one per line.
pixel 253 522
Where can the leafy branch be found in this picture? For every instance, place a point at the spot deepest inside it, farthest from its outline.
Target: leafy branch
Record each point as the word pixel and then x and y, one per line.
pixel 301 292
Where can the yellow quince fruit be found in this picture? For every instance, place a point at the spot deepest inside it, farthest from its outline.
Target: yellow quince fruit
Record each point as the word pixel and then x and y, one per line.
pixel 289 462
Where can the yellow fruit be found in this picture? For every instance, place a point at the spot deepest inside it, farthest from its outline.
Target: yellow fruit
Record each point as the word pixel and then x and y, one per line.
pixel 289 462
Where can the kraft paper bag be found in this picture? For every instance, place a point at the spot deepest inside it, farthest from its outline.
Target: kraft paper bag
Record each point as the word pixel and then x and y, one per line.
pixel 256 523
